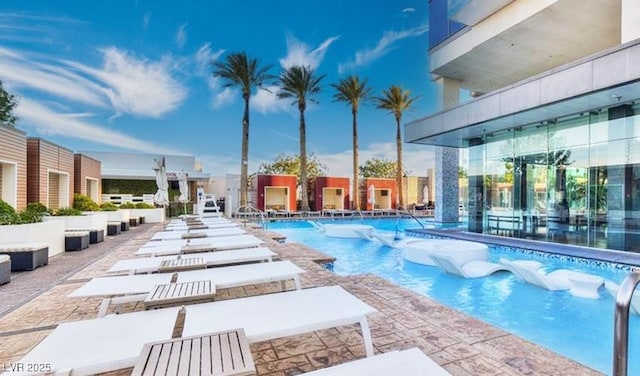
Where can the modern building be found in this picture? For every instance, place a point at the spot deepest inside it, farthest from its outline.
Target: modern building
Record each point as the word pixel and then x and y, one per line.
pixel 87 177
pixel 13 167
pixel 50 173
pixel 131 177
pixel 274 192
pixel 551 130
pixel 331 193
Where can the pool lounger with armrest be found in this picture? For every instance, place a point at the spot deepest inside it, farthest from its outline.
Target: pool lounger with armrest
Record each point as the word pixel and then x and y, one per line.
pixel 152 264
pixel 211 233
pixel 410 362
pixel 471 269
pixel 135 288
pixel 115 341
pixel 174 247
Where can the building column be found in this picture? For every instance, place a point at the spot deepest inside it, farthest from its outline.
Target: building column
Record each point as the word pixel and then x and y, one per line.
pixel 447 190
pixel 629 20
pixel 447 159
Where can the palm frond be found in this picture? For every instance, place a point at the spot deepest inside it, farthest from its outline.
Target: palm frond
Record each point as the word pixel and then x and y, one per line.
pixel 237 69
pixel 395 100
pixel 352 91
pixel 300 83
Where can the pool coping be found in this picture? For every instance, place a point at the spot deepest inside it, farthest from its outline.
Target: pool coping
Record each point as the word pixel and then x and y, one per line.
pixel 608 255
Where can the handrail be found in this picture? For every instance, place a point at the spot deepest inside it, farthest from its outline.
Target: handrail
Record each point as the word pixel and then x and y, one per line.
pixel 410 215
pixel 359 212
pixel 621 323
pixel 252 209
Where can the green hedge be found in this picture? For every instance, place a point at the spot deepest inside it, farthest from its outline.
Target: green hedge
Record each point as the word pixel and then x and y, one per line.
pixel 134 187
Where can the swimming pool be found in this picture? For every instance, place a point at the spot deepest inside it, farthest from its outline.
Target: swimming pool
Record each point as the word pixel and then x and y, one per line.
pixel 578 328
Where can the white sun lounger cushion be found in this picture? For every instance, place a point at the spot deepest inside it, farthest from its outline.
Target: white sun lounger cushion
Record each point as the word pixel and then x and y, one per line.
pixel 224 277
pixel 151 264
pixel 411 362
pixel 225 243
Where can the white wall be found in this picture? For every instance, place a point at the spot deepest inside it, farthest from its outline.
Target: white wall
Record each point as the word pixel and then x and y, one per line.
pixel 51 233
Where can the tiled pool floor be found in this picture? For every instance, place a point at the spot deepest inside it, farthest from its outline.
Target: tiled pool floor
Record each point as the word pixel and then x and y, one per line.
pixel 462 345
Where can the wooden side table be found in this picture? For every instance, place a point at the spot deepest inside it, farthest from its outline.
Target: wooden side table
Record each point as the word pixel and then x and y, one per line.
pixel 220 354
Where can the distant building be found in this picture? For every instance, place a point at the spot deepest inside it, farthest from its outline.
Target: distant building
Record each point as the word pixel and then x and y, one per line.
pixel 50 173
pixel 13 167
pixel 130 176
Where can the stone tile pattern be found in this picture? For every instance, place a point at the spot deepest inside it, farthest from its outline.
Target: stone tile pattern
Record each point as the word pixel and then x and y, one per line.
pixel 462 345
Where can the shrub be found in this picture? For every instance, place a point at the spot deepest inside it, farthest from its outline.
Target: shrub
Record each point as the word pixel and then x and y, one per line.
pixel 144 205
pixel 37 207
pixel 127 205
pixel 108 206
pixel 67 211
pixel 84 203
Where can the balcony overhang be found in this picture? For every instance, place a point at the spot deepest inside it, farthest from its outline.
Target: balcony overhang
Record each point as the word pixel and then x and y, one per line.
pixel 470 12
pixel 526 38
pixel 607 79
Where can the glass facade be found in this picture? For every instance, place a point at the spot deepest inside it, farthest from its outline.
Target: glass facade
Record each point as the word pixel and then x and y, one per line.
pixel 574 180
pixel 440 24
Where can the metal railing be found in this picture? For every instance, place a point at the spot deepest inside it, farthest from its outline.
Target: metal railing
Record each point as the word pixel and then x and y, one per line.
pixel 621 323
pixel 406 212
pixel 250 211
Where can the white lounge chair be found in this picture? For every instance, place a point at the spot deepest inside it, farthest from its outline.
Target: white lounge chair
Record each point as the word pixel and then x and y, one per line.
pixel 175 247
pixel 200 227
pixel 210 233
pixel 612 289
pixel 471 269
pixel 579 284
pixel 115 341
pixel 411 362
pixel 135 288
pixel 152 264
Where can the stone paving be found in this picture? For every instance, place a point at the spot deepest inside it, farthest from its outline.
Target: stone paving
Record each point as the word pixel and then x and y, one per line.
pixel 35 302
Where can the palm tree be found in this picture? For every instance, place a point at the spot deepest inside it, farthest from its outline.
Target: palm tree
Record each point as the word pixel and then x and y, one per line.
pixel 239 70
pixel 396 100
pixel 353 91
pixel 300 83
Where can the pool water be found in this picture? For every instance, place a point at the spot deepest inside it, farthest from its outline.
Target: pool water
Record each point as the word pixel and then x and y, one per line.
pixel 577 328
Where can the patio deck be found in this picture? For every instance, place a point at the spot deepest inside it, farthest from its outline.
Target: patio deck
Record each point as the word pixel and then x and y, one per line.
pixel 35 302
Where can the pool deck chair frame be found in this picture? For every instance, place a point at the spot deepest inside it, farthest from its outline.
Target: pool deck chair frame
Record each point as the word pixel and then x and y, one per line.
pixel 176 247
pixel 119 290
pixel 116 341
pixel 142 265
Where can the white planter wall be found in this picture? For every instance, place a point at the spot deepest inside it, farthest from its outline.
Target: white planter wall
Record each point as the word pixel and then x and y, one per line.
pixel 150 215
pixel 120 215
pixel 50 232
pixel 87 220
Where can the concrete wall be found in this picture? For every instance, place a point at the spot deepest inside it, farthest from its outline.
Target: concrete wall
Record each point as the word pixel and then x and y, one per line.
pixel 51 233
pixel 13 154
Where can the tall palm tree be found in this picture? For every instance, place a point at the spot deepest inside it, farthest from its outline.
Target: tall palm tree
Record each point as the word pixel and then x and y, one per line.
pixel 247 73
pixel 353 91
pixel 301 83
pixel 396 101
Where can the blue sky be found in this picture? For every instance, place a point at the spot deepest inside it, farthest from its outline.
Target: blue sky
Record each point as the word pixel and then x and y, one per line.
pixel 134 75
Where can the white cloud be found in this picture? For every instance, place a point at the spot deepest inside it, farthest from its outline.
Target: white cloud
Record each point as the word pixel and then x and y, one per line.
pixel 204 57
pixel 45 120
pixel 408 10
pixel 181 35
pixel 21 71
pixel 224 97
pixel 299 53
pixel 138 86
pixel 267 101
pixel 145 20
pixel 385 44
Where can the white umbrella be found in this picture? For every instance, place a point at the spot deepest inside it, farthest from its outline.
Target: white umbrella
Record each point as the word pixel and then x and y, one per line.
pixel 372 196
pixel 184 187
pixel 162 195
pixel 425 194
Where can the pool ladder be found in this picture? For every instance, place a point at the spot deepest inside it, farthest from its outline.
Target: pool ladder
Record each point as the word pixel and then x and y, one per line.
pixel 621 323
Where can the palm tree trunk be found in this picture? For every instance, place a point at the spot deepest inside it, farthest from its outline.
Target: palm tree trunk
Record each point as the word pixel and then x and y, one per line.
pixel 304 197
pixel 399 168
pixel 356 185
pixel 244 199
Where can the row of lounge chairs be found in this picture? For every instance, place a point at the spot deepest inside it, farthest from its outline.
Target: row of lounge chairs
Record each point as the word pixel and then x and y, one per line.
pixel 113 342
